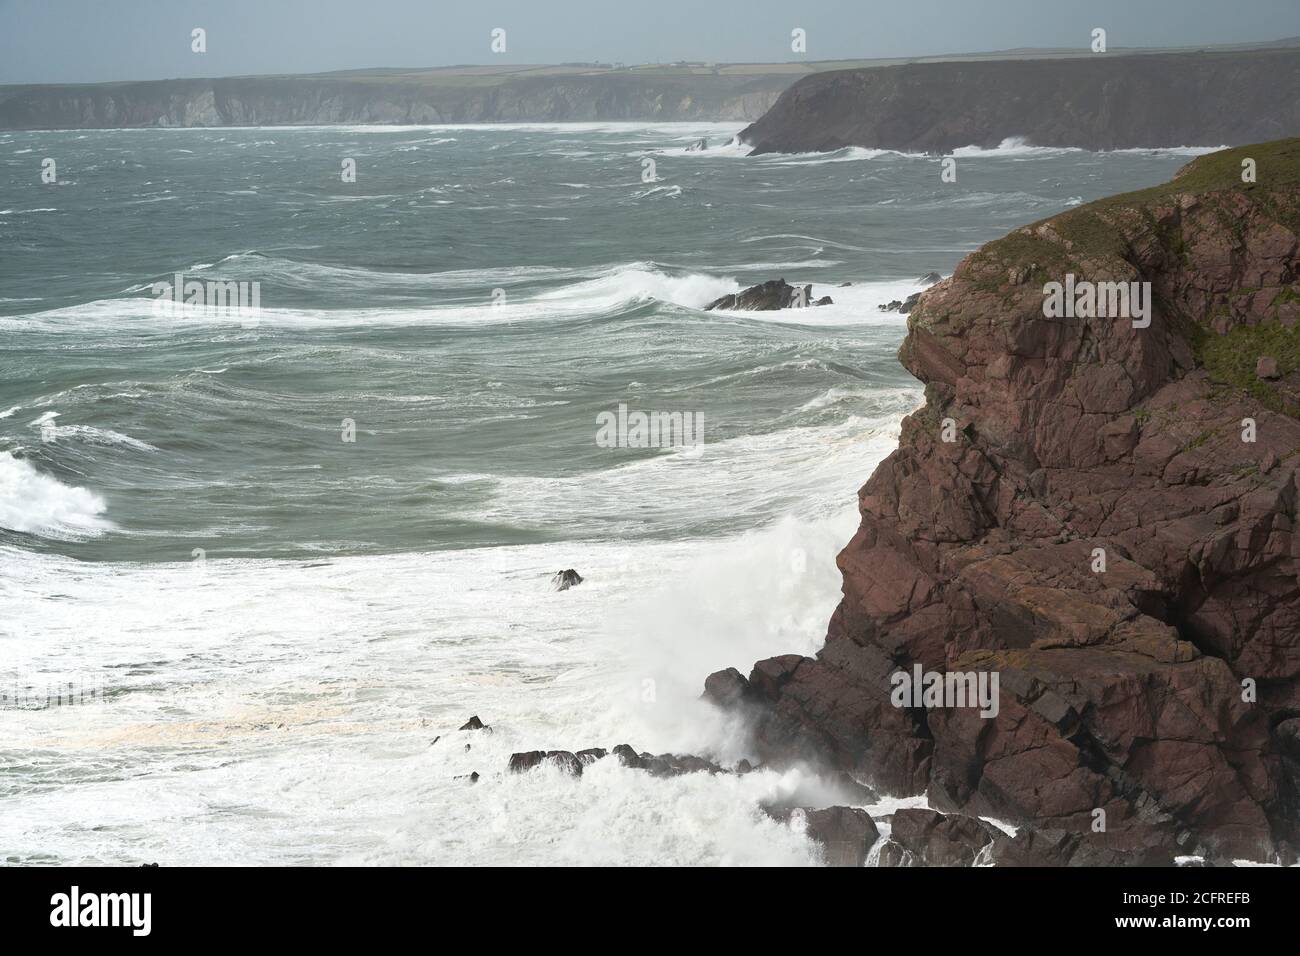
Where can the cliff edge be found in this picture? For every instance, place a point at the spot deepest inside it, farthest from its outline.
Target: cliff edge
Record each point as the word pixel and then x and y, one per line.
pixel 1101 512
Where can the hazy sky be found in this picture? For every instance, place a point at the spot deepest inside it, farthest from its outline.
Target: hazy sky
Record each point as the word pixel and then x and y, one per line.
pixel 48 41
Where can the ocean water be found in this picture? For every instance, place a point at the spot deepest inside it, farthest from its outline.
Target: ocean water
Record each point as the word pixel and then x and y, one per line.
pixel 263 627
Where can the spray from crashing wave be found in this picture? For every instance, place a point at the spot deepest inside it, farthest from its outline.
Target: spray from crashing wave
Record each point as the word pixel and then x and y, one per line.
pixel 35 503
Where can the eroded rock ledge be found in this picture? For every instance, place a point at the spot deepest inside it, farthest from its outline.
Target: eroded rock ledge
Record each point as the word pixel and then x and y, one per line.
pixel 1121 691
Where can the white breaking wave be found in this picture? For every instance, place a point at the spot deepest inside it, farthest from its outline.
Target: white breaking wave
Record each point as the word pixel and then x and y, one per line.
pixel 35 503
pixel 731 148
pixel 585 294
pixel 1020 146
pixel 1014 146
pixel 640 282
pixel 847 154
pixel 86 433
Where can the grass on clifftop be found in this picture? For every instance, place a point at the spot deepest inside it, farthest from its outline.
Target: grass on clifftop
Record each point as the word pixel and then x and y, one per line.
pixel 1277 163
pixel 1092 234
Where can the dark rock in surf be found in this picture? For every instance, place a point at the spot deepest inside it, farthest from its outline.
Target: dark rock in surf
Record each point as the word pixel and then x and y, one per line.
pixel 628 757
pixel 563 759
pixel 768 297
pixel 674 765
pixel 901 305
pixel 846 834
pixel 934 839
pixel 699 146
pixel 726 689
pixel 527 760
pixel 475 724
pixel 566 579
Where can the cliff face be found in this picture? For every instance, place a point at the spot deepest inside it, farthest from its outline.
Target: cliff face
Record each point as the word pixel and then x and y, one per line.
pixel 310 101
pixel 1164 689
pixel 1100 102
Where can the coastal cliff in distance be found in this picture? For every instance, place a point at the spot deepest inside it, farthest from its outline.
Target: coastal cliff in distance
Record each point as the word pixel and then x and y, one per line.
pixel 451 95
pixel 1103 514
pixel 1100 102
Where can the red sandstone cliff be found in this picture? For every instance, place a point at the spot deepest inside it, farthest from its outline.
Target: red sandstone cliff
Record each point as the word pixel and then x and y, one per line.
pixel 1121 690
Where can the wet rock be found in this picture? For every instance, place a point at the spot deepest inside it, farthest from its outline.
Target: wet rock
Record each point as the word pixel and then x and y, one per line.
pixel 901 305
pixel 565 579
pixel 767 297
pixel 591 755
pixel 851 791
pixel 727 689
pixel 674 765
pixel 628 757
pixel 527 760
pixel 930 278
pixel 563 759
pixel 934 839
pixel 474 724
pixel 699 146
pixel 846 834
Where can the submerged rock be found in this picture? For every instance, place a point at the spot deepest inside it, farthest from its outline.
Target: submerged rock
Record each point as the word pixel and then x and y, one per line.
pixel 768 297
pixel 699 146
pixel 657 765
pixel 565 579
pixel 901 305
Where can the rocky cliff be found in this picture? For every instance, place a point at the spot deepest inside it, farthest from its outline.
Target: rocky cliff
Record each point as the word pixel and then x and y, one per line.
pixel 429 97
pixel 1098 102
pixel 1104 515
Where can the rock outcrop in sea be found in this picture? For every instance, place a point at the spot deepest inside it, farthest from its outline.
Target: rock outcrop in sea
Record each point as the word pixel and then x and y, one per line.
pixel 768 297
pixel 1101 511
